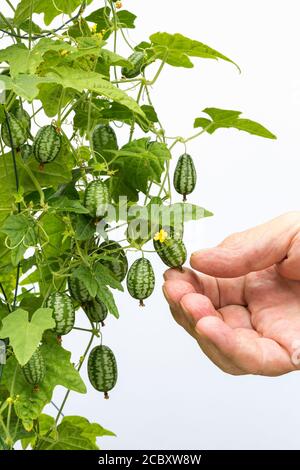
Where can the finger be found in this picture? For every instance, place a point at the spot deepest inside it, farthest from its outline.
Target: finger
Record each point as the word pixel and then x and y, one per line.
pixel 252 250
pixel 187 309
pixel 244 348
pixel 173 292
pixel 221 292
pixel 202 284
pixel 236 316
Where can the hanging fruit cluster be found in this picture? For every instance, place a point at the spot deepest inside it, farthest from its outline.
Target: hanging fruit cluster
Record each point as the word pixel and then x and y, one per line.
pixel 68 186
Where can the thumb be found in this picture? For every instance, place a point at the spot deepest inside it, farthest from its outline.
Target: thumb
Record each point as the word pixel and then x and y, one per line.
pixel 275 242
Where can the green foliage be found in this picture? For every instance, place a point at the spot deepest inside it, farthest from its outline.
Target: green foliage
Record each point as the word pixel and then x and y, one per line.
pixel 59 371
pixel 75 433
pixel 25 335
pixel 223 118
pixel 67 181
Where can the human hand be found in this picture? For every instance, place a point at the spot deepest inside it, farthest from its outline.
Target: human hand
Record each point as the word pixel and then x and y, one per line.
pixel 244 311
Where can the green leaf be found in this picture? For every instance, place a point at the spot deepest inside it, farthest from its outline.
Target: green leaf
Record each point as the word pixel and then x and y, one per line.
pixel 107 298
pixel 59 371
pixel 25 335
pixel 54 227
pixel 84 228
pixel 84 274
pixel 25 61
pixel 24 85
pixel 118 112
pixel 138 162
pixel 3 312
pixel 21 235
pixel 49 9
pixel 176 50
pixel 104 276
pixel 224 118
pixel 50 95
pixel 101 17
pixel 63 204
pixel 150 112
pixel 126 19
pixel 45 423
pixel 75 433
pixel 70 77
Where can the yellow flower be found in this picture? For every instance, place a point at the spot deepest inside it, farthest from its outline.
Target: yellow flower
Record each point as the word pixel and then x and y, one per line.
pixel 64 52
pixel 10 400
pixel 119 5
pixel 93 28
pixel 161 236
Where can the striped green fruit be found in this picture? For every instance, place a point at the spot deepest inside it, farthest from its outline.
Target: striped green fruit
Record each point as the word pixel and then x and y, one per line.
pixel 23 117
pixel 118 265
pixel 141 280
pixel 96 198
pixel 185 176
pixel 138 61
pixel 63 312
pixel 78 291
pixel 96 311
pixel 26 151
pixel 104 139
pixel 34 370
pixel 138 233
pixel 172 252
pixel 47 144
pixel 102 369
pixel 17 130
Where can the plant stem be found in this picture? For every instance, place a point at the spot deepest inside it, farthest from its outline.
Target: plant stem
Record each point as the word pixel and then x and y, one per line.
pixel 5 297
pixel 115 34
pixel 11 5
pixel 78 369
pixel 133 121
pixel 35 182
pixel 12 388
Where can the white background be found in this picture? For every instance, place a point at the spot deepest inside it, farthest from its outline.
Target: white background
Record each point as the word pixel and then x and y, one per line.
pixel 169 395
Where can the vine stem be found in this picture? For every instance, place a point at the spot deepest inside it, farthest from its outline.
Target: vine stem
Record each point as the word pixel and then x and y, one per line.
pixel 133 122
pixel 5 297
pixel 115 34
pixel 18 205
pixel 11 5
pixel 78 369
pixel 12 388
pixel 35 182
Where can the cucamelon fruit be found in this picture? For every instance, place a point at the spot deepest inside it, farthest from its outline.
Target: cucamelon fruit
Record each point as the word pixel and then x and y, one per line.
pixel 138 61
pixel 17 131
pixel 172 252
pixel 47 144
pixel 102 369
pixel 63 312
pixel 118 264
pixel 96 311
pixel 185 176
pixel 140 280
pixel 78 291
pixel 34 370
pixel 96 198
pixel 104 139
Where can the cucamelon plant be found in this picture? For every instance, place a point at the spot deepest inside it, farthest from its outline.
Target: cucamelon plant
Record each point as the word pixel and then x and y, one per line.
pixel 79 198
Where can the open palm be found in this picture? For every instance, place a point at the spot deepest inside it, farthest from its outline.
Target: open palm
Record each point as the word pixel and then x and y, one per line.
pixel 245 311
